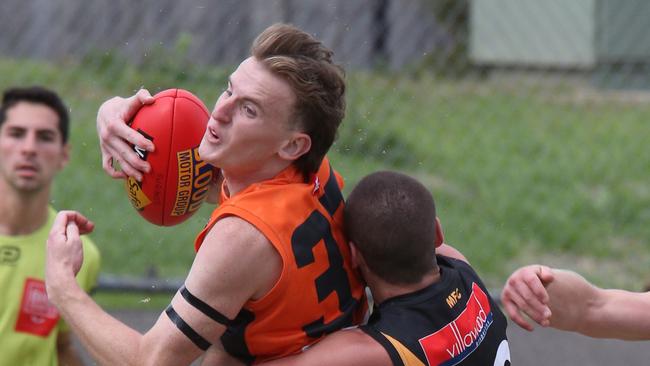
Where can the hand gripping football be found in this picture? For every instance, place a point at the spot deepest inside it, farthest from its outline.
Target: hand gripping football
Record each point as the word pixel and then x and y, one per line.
pixel 178 181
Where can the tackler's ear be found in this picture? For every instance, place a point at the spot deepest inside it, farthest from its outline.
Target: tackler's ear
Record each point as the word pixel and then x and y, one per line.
pixel 440 237
pixel 297 146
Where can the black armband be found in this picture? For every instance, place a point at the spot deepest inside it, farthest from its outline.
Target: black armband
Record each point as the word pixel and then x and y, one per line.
pixel 190 333
pixel 206 309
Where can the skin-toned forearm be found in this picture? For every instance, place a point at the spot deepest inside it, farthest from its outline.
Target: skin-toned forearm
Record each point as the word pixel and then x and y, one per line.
pixel 350 347
pixel 182 334
pixel 570 297
pixel 619 314
pixel 577 305
pixel 109 341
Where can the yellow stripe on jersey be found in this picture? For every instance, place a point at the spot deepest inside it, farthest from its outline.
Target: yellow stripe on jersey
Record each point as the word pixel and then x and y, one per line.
pixel 405 354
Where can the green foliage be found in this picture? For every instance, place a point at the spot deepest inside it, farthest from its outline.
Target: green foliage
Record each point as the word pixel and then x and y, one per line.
pixel 519 175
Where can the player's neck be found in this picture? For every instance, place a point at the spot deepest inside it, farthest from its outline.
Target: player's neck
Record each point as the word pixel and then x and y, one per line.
pixel 382 290
pixel 237 181
pixel 22 213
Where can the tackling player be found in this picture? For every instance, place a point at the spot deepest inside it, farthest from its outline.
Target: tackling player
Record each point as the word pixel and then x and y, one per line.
pixel 430 310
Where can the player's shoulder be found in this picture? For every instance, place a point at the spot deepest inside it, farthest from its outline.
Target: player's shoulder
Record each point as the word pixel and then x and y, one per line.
pixel 234 227
pixel 232 247
pixel 235 233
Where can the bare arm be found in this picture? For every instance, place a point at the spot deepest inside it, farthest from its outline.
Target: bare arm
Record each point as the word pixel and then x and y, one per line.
pixel 115 135
pixel 346 347
pixel 216 278
pixel 577 305
pixel 65 350
pixel 565 300
pixel 217 356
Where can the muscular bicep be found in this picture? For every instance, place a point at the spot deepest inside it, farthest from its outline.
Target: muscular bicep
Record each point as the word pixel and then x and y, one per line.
pixel 346 347
pixel 235 263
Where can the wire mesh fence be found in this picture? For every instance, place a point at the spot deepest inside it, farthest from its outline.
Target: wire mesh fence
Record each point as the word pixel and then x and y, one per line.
pixel 527 119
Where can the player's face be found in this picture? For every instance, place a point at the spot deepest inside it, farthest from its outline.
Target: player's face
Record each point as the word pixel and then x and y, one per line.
pixel 31 149
pixel 250 121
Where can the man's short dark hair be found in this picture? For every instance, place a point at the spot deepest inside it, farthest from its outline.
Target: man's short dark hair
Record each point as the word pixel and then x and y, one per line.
pixel 37 95
pixel 390 217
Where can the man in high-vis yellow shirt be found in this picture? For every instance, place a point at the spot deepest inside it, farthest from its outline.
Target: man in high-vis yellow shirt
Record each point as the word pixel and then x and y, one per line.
pixel 33 149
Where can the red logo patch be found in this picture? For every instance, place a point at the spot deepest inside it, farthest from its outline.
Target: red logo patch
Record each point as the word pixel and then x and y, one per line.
pixel 37 315
pixel 458 339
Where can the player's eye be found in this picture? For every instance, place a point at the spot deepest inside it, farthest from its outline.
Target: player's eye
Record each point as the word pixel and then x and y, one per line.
pixel 249 111
pixel 16 132
pixel 47 136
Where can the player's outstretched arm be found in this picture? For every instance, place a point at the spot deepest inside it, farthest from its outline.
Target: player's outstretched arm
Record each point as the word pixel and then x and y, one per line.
pixel 579 306
pixel 218 285
pixel 567 301
pixel 115 135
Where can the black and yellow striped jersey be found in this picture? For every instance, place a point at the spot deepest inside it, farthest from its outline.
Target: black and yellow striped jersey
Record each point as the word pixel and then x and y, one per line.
pixel 451 322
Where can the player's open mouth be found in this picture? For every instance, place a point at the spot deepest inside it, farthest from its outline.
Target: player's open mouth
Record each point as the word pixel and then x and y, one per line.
pixel 213 134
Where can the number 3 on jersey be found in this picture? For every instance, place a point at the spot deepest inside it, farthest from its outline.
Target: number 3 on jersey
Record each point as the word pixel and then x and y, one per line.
pixel 313 230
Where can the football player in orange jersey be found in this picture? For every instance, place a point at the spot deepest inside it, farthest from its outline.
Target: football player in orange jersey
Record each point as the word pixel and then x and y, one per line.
pixel 272 272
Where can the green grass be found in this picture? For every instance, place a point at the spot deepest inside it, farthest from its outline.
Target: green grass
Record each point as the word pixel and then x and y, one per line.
pixel 520 174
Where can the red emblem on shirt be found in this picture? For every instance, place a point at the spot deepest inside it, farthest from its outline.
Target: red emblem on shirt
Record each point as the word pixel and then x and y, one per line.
pixel 37 315
pixel 463 335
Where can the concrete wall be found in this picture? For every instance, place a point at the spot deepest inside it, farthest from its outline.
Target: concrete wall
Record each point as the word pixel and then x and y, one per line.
pixel 556 33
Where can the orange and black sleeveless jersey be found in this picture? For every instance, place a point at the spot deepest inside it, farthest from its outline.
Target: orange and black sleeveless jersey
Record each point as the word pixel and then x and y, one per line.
pixel 451 322
pixel 318 291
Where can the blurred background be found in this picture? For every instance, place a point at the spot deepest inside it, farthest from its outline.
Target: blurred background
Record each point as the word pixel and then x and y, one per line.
pixel 527 119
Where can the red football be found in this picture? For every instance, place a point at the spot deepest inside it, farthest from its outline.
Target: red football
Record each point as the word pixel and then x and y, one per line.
pixel 178 182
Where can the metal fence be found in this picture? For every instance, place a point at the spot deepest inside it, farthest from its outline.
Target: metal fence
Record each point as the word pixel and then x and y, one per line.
pixel 526 118
pixel 362 32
